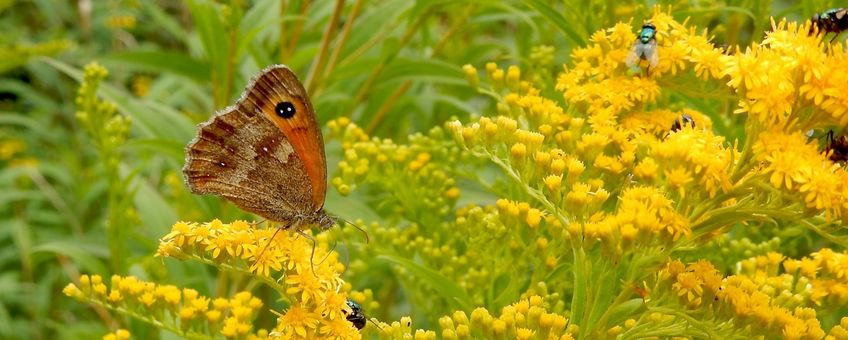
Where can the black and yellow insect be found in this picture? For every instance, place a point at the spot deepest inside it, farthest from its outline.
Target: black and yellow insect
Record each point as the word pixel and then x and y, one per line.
pixel 837 148
pixel 356 316
pixel 680 122
pixel 831 21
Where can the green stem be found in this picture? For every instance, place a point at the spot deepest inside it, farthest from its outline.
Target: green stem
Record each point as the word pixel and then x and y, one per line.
pixel 150 320
pixel 366 87
pixel 267 280
pixel 351 18
pixel 536 194
pixel 318 63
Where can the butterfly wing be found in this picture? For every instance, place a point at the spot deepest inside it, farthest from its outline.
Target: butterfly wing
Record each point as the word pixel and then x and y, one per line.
pixel 268 165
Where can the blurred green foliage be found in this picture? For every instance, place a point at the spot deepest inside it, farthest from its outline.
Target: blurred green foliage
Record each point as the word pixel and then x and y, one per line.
pixel 74 201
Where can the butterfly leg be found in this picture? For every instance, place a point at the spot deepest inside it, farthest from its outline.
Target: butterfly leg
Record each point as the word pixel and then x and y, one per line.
pixel 311 256
pixel 269 242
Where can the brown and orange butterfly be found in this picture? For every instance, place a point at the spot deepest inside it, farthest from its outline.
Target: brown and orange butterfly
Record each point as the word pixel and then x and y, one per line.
pixel 265 154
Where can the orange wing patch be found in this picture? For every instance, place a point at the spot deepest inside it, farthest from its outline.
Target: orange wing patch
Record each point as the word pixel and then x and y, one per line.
pixel 280 85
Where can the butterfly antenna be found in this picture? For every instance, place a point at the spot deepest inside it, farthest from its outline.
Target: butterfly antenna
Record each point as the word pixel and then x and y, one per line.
pixel 268 244
pixel 329 252
pixel 256 223
pixel 312 255
pixel 367 239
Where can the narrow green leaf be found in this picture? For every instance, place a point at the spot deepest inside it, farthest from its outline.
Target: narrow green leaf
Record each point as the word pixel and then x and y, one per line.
pixel 504 291
pixel 84 254
pixel 558 20
pixel 162 61
pixel 455 295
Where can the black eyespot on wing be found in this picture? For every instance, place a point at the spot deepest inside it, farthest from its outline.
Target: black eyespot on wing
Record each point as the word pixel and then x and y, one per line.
pixel 285 109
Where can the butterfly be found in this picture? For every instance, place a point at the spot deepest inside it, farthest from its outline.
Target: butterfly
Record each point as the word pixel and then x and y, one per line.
pixel 265 153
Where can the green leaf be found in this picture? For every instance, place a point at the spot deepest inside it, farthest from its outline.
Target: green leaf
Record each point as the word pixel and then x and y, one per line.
pixel 558 20
pixel 149 119
pixel 625 310
pixel 456 296
pixel 423 70
pixel 161 61
pixel 85 254
pixel 504 291
pixel 155 212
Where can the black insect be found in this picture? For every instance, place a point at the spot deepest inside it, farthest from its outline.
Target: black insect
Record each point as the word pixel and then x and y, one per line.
pixel 356 317
pixel 831 21
pixel 680 122
pixel 836 148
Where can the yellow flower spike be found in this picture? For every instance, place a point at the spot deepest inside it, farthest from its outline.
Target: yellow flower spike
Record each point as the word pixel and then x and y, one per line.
pixel 553 183
pixel 298 321
pixel 491 131
pixel 73 291
pixel 213 316
pixel 471 75
pixel 469 135
pixel 491 68
pixel 96 280
pixel 507 126
pixel 511 100
pixel 452 193
pixel 524 334
pixel 148 299
pixel 186 314
pixel 464 332
pixel 421 334
pixel 99 289
pixel 460 318
pixel 446 323
pixel 678 179
pixel 518 151
pixel 503 109
pixel 513 77
pixel 499 328
pixel 498 79
pixel 551 262
pixel 534 217
pixel 558 166
pixel 230 328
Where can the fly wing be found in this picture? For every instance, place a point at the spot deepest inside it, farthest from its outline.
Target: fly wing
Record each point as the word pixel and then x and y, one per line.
pixel 633 55
pixel 651 54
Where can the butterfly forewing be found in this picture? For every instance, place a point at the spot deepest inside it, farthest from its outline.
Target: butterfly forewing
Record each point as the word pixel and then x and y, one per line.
pixel 276 86
pixel 261 165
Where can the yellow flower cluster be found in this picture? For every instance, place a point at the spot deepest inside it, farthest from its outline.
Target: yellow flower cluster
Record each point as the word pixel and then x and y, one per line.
pixel 422 189
pixel 787 75
pixel 183 311
pixel 690 160
pixel 795 164
pixel 309 276
pixel 645 218
pixel 10 147
pixel 623 166
pixel 524 320
pixel 121 21
pixel 601 83
pixel 121 334
pixel 760 299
